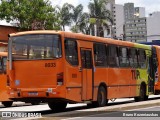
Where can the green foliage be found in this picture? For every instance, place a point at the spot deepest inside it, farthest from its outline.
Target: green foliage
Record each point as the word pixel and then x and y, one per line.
pixel 100 16
pixel 39 14
pixel 76 18
pixel 80 20
pixel 65 15
pixel 29 14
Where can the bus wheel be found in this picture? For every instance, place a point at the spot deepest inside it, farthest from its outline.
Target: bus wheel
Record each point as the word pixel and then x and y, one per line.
pixel 146 97
pixel 35 103
pixel 101 97
pixel 142 95
pixel 57 106
pixel 7 103
pixel 93 104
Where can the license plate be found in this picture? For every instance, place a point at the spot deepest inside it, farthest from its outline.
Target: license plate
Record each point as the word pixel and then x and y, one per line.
pixel 33 93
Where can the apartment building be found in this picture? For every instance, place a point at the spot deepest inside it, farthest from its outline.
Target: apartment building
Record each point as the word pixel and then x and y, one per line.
pixel 116 29
pixel 135 29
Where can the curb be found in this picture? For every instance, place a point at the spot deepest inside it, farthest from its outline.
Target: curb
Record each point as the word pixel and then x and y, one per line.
pixel 109 109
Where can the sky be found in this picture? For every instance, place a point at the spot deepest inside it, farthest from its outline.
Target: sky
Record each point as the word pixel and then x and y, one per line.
pixel 150 5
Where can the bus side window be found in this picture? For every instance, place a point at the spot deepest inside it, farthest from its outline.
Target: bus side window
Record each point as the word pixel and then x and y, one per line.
pixel 113 59
pixel 123 56
pixel 100 54
pixel 1 68
pixel 71 51
pixel 131 57
pixel 4 62
pixel 142 59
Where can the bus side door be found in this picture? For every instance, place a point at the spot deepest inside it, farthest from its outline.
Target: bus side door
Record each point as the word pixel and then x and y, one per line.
pixel 87 73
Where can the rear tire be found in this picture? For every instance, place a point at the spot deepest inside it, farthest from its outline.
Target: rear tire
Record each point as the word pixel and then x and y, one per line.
pixel 101 97
pixel 92 105
pixel 35 103
pixel 142 95
pixel 57 106
pixel 7 103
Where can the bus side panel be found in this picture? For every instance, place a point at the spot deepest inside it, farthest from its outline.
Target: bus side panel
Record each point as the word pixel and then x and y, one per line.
pixel 142 77
pixel 73 83
pixel 4 96
pixel 133 84
pixel 118 82
pixel 100 76
pixel 157 84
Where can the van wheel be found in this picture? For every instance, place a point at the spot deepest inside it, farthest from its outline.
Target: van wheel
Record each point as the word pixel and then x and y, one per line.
pixel 57 106
pixel 101 97
pixel 7 103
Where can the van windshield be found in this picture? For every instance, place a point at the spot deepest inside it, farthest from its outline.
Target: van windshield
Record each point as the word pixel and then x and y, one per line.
pixel 36 46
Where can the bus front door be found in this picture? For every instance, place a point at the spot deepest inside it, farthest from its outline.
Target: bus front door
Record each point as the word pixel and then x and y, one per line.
pixel 87 74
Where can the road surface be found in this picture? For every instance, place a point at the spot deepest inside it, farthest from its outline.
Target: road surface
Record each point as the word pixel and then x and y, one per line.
pixel 45 111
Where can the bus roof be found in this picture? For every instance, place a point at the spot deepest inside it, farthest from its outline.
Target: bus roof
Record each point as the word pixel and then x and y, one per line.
pixel 3 53
pixel 84 37
pixel 142 46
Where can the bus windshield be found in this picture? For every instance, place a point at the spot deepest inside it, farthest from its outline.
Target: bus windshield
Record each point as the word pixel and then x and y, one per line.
pixel 36 46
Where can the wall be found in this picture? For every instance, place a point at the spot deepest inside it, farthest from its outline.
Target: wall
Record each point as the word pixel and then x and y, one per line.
pixel 5 30
pixel 153 27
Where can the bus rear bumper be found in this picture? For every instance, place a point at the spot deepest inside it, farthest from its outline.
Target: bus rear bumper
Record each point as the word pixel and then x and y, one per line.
pixel 36 93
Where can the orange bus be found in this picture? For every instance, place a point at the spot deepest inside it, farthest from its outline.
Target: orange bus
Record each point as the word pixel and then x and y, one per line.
pixel 62 67
pixel 4 96
pixel 156 66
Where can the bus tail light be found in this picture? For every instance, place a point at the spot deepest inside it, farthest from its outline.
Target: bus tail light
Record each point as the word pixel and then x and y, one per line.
pixel 8 81
pixel 60 78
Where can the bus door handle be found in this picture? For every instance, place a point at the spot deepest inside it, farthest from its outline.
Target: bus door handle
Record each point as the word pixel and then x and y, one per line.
pixel 80 69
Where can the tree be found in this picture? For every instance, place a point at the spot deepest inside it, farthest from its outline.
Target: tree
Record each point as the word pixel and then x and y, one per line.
pixel 100 16
pixel 65 15
pixel 76 18
pixel 84 25
pixel 29 14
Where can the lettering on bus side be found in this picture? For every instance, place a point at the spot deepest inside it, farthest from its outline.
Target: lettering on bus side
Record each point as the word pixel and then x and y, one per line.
pixel 50 64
